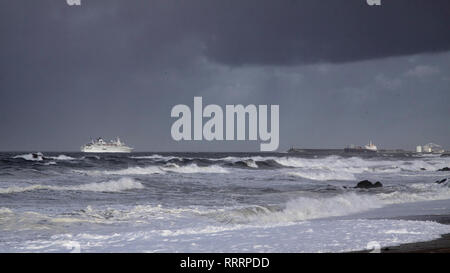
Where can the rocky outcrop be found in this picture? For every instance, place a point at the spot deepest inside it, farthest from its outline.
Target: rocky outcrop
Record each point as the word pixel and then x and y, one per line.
pixel 446 169
pixel 366 184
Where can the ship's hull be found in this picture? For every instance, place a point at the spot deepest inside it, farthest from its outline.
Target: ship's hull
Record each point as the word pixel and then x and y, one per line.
pixel 359 151
pixel 100 149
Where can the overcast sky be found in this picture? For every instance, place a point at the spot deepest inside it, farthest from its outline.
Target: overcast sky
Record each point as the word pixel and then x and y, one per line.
pixel 342 72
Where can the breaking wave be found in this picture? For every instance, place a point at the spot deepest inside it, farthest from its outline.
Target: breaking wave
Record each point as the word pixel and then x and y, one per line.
pixel 109 186
pixel 307 208
pixel 323 175
pixel 302 208
pixel 417 192
pixel 62 157
pixel 31 157
pixel 193 168
pixel 40 157
pixel 157 157
pixel 167 168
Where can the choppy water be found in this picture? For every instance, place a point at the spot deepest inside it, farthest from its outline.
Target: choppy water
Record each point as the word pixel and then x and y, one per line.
pixel 216 202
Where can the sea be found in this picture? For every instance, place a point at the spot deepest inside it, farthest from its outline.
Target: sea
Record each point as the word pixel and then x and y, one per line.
pixel 219 202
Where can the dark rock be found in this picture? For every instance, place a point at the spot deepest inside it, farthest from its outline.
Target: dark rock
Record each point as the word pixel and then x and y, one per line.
pixel 446 169
pixel 366 184
pixel 377 184
pixel 441 181
pixel 423 169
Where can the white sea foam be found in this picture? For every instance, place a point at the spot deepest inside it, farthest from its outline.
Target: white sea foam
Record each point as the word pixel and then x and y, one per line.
pixel 132 171
pixel 401 231
pixel 5 210
pixel 251 163
pixel 168 168
pixel 304 208
pixel 317 236
pixel 156 156
pixel 418 192
pixel 193 168
pixel 109 186
pixel 314 207
pixel 31 157
pixel 353 165
pixel 62 157
pixel 40 157
pixel 322 175
pixel 50 163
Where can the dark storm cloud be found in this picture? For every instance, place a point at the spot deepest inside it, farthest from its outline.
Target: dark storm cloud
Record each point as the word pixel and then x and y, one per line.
pixel 301 31
pixel 296 32
pixel 116 67
pixel 234 32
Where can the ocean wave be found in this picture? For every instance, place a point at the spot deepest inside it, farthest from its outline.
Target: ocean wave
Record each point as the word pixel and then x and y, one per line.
pixel 167 168
pixel 109 186
pixel 50 163
pixel 317 168
pixel 307 208
pixel 323 176
pixel 158 157
pixel 302 208
pixel 417 192
pixel 4 210
pixel 193 168
pixel 31 156
pixel 131 171
pixel 40 157
pixel 62 157
pixel 139 213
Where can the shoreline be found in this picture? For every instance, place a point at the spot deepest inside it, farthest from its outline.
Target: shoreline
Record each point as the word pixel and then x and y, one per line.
pixel 439 245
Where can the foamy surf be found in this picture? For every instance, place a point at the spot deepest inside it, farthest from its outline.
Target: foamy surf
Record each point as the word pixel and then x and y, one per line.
pixel 62 157
pixel 315 207
pixel 310 237
pixel 167 168
pixel 323 175
pixel 109 186
pixel 40 157
pixel 193 168
pixel 241 202
pixel 30 157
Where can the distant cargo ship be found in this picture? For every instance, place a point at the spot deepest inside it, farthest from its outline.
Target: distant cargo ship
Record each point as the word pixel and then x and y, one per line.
pixel 368 148
pixel 101 146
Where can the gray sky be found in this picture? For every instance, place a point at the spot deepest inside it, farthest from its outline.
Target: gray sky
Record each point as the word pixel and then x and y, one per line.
pixel 342 72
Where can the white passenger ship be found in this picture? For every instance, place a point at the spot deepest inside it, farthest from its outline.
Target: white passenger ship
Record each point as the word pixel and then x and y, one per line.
pixel 101 146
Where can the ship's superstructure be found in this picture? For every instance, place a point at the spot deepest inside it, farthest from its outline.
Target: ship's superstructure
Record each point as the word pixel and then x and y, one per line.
pixel 368 148
pixel 101 146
